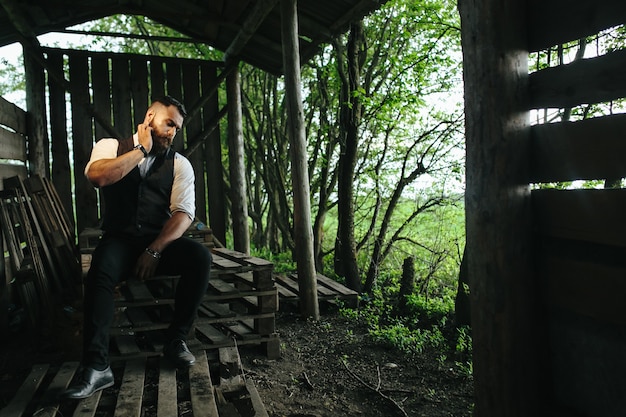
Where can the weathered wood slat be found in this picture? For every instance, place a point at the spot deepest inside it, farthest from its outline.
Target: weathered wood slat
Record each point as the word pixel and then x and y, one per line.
pixel 23 396
pixel 12 116
pixel 595 216
pixel 129 398
pixel 131 390
pixel 59 383
pixel 554 22
pixel 167 394
pixel 13 145
pixel 88 406
pixel 591 289
pixel 10 170
pixel 215 336
pixel 201 388
pixel 86 197
pixel 60 152
pixel 592 80
pixel 587 149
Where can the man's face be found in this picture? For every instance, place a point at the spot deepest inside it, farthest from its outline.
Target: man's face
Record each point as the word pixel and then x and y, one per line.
pixel 166 123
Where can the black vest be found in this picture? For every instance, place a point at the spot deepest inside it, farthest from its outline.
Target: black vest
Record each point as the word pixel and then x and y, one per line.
pixel 139 206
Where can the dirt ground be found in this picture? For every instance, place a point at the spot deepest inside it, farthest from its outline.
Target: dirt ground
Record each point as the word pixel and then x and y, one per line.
pixel 327 368
pixel 333 368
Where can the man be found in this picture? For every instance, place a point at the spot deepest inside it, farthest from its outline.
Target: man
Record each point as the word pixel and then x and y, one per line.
pixel 149 202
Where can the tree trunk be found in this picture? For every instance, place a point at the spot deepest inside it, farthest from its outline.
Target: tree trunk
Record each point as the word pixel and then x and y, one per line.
pixel 303 233
pixel 238 194
pixel 407 285
pixel 350 116
pixel 462 301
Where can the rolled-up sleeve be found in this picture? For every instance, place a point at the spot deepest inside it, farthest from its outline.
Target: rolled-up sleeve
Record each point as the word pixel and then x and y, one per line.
pixel 103 149
pixel 183 190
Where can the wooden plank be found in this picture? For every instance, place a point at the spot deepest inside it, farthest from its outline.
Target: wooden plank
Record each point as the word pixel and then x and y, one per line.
pixel 554 22
pixel 167 393
pixel 591 289
pixel 12 116
pixel 335 286
pixel 131 391
pixel 11 170
pixel 586 149
pixel 82 132
pixel 126 345
pixel 139 88
pixel 562 86
pixel 59 153
pixel 586 215
pixel 87 407
pixel 157 77
pixel 222 287
pixel 60 382
pixel 257 403
pixel 216 310
pixel 120 93
pixel 13 145
pixel 25 393
pixel 201 388
pixel 214 335
pixel 138 290
pixel 244 258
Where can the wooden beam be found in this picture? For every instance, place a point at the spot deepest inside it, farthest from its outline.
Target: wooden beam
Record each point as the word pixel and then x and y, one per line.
pixel 260 11
pixel 507 330
pixel 553 22
pixel 591 80
pixel 590 149
pixel 302 228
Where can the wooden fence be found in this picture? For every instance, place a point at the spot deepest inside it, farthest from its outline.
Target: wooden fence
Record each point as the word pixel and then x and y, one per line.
pixel 580 234
pixel 109 94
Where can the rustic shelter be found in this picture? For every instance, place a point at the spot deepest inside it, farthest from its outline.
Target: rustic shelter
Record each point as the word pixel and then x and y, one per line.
pixel 546 267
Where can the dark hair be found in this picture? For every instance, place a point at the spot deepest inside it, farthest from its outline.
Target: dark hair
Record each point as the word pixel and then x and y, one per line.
pixel 171 101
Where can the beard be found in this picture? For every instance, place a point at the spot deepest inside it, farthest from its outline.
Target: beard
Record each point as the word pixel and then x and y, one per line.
pixel 159 143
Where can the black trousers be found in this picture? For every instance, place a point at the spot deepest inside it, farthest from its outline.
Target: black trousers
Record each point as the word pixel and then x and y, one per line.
pixel 113 261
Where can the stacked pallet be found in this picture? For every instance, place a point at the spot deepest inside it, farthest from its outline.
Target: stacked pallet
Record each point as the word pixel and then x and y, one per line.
pixel 43 263
pixel 239 307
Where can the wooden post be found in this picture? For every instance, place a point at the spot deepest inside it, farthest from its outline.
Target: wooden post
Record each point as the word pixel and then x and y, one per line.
pixel 302 229
pixel 38 154
pixel 236 164
pixel 504 301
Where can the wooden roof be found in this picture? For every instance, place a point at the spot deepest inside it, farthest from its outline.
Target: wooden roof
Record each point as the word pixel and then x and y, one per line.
pixel 247 29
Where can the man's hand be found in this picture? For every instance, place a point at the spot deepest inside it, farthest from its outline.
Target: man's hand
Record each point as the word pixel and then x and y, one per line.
pixel 144 132
pixel 146 266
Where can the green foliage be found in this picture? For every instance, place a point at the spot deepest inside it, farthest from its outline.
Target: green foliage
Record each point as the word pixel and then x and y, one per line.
pixel 427 327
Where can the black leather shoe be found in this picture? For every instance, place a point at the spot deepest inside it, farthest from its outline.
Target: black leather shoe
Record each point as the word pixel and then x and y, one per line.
pixel 178 353
pixel 91 381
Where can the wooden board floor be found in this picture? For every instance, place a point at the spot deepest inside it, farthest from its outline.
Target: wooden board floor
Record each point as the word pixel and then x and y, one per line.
pixel 143 386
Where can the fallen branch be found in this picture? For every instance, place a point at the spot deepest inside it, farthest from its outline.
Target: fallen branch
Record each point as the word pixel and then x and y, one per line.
pixel 307 380
pixel 376 389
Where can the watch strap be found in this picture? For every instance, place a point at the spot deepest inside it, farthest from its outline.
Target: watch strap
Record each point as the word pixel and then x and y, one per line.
pixel 142 149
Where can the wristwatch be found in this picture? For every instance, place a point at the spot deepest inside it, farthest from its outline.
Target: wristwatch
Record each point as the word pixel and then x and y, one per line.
pixel 142 149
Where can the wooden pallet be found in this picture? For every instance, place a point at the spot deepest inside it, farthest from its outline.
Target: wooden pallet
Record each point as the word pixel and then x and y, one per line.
pixel 215 386
pixel 328 290
pixel 239 308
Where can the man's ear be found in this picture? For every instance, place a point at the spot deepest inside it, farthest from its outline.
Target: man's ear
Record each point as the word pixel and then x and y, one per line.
pixel 149 116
